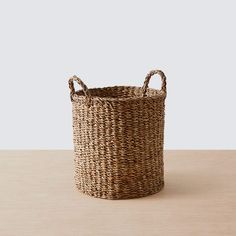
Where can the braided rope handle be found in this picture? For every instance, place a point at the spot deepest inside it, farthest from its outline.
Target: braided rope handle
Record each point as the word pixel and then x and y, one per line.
pixel 148 77
pixel 83 86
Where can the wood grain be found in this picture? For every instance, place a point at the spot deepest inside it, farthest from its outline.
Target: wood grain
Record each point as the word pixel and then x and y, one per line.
pixel 38 197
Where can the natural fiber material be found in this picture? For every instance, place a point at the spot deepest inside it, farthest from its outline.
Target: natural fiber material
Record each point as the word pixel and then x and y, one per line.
pixel 118 139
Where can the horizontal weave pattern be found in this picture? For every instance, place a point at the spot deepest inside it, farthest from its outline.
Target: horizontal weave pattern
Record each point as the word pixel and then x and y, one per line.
pixel 118 141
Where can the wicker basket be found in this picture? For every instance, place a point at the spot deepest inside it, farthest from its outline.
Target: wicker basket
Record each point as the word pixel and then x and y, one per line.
pixel 118 139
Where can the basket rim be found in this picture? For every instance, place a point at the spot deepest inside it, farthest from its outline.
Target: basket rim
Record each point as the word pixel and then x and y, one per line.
pixel 161 94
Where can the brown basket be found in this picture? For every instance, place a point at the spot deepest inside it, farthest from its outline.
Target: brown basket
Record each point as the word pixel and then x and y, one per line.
pixel 118 139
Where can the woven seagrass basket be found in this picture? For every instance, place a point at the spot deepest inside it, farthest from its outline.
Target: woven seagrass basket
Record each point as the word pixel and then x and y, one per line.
pixel 118 139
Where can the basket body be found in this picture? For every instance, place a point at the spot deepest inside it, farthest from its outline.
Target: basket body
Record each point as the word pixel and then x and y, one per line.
pixel 118 137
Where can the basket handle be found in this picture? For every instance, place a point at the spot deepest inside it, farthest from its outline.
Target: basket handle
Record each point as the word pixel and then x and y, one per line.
pixel 148 77
pixel 83 86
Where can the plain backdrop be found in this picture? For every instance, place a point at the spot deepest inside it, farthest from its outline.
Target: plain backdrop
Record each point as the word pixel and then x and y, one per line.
pixel 43 43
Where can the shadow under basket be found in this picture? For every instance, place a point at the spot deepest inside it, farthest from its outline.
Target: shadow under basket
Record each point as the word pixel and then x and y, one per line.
pixel 118 137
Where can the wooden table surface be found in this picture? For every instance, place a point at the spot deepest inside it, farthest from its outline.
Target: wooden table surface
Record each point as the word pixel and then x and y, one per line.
pixel 38 197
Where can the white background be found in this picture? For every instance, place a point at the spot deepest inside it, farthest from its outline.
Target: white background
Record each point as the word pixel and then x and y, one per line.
pixel 42 43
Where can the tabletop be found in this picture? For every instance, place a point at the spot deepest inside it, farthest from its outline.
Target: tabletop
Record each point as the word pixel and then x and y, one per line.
pixel 38 198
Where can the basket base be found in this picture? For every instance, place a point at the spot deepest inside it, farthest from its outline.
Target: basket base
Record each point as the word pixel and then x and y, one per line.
pixel 120 197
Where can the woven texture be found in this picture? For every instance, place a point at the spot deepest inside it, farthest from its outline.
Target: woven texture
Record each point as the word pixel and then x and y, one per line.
pixel 118 139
